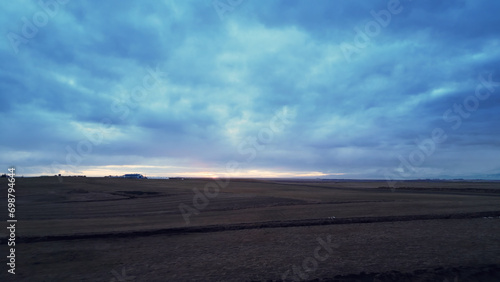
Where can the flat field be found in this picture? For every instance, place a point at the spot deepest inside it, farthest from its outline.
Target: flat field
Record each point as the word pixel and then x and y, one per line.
pixel 111 229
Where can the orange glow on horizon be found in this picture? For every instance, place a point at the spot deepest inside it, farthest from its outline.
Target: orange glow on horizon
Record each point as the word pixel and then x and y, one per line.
pixel 171 171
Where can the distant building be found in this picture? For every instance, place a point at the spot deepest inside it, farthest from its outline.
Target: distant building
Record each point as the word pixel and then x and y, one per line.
pixel 175 178
pixel 134 175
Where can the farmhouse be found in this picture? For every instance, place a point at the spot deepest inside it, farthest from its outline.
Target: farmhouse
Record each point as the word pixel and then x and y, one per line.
pixel 134 175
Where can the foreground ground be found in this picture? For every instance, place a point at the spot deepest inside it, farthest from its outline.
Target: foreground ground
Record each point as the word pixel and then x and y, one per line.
pixel 102 229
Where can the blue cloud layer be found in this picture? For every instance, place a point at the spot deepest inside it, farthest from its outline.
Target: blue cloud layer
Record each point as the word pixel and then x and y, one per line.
pixel 184 87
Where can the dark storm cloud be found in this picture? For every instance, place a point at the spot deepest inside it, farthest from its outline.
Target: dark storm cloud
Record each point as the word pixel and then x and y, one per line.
pixel 172 87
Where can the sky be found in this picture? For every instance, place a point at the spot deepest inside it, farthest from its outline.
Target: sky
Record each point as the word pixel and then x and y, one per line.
pixel 380 89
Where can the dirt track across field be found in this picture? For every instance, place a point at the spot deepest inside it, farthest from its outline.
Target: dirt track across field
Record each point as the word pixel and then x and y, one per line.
pixel 258 225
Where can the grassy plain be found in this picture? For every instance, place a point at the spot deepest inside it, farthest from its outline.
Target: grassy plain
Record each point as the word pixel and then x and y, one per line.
pixel 110 229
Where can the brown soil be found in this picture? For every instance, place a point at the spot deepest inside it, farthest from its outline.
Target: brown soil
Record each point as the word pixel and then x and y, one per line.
pixel 96 229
